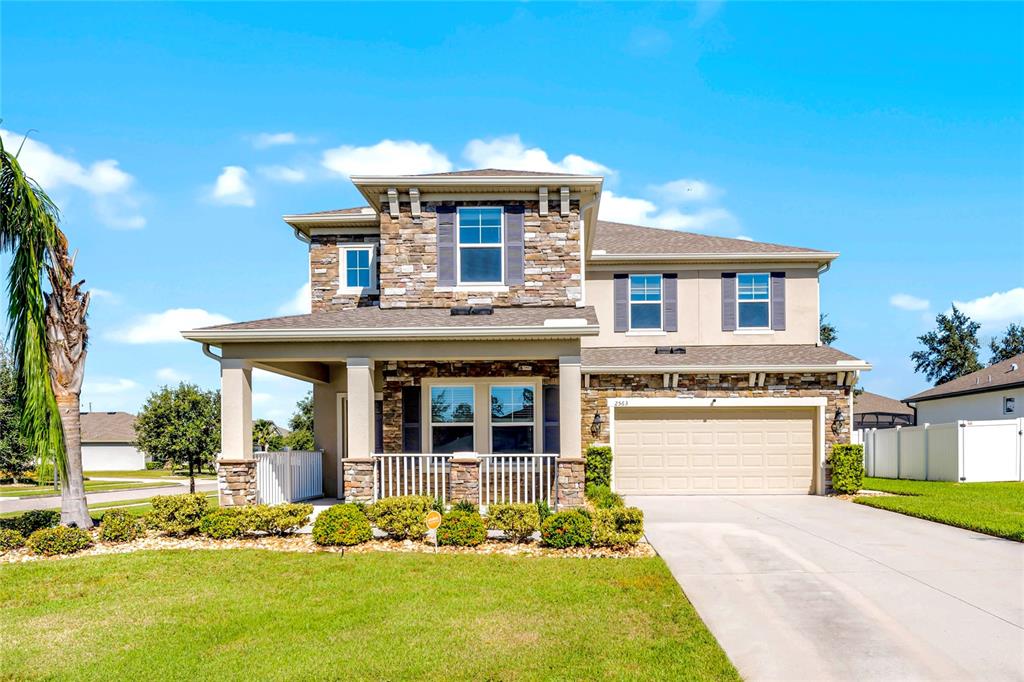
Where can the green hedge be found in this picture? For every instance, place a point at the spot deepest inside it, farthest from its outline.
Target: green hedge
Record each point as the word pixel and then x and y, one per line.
pixel 847 463
pixel 618 527
pixel 31 521
pixel 565 529
pixel 602 497
pixel 517 521
pixel 599 465
pixel 224 523
pixel 462 529
pixel 401 517
pixel 120 525
pixel 342 524
pixel 59 540
pixel 178 514
pixel 10 539
pixel 278 519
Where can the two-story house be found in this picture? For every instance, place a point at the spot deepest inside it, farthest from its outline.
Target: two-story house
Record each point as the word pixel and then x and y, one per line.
pixel 473 332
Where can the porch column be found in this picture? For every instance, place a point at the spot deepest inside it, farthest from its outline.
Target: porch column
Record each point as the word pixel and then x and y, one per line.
pixel 236 467
pixel 570 415
pixel 359 431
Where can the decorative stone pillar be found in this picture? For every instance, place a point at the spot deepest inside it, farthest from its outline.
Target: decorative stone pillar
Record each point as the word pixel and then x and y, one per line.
pixel 571 480
pixel 464 478
pixel 237 482
pixel 357 473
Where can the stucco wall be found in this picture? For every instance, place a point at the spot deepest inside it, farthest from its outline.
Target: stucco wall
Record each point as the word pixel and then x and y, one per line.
pixel 976 406
pixel 700 309
pixel 112 457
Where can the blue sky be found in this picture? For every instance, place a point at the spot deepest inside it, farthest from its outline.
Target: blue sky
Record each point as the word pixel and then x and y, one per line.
pixel 175 136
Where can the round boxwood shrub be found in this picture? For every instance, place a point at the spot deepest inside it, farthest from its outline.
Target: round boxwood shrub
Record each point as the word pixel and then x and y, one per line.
pixel 224 523
pixel 59 540
pixel 178 514
pixel 402 517
pixel 278 519
pixel 517 521
pixel 462 529
pixel 342 524
pixel 618 527
pixel 847 467
pixel 567 529
pixel 119 525
pixel 10 539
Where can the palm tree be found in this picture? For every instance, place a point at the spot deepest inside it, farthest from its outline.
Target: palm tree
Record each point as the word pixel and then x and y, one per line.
pixel 48 332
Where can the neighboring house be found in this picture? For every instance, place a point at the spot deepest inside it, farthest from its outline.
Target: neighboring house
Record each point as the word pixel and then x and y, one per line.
pixel 873 411
pixel 996 392
pixel 108 442
pixel 489 318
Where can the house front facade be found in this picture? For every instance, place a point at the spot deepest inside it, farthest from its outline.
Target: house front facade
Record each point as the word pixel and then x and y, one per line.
pixel 473 332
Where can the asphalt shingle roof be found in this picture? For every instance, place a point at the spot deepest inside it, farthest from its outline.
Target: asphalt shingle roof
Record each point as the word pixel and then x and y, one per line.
pixel 620 238
pixel 715 356
pixel 865 403
pixel 998 376
pixel 108 427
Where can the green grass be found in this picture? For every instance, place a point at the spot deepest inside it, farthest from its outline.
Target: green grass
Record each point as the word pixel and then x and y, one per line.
pixel 148 473
pixel 257 615
pixel 90 487
pixel 991 508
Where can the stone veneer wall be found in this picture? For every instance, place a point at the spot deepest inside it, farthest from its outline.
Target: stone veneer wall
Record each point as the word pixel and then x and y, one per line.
pixel 324 274
pixel 357 479
pixel 571 482
pixel 408 259
pixel 236 479
pixel 398 374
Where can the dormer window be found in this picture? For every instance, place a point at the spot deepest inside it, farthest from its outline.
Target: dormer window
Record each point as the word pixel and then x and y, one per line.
pixel 480 245
pixel 357 265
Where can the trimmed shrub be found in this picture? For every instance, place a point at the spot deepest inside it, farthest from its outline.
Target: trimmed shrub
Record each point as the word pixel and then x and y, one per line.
pixel 517 521
pixel 438 505
pixel 153 466
pixel 847 467
pixel 10 539
pixel 342 524
pixel 278 519
pixel 119 525
pixel 465 506
pixel 618 527
pixel 602 497
pixel 462 529
pixel 224 523
pixel 564 529
pixel 402 517
pixel 31 521
pixel 59 540
pixel 598 470
pixel 543 510
pixel 178 514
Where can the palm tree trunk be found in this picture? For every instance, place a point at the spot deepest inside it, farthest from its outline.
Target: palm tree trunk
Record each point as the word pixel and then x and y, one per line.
pixel 74 508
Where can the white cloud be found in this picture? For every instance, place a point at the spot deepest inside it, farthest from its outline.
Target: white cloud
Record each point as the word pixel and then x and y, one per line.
pixel 104 294
pixel 744 238
pixel 108 386
pixel 298 304
pixel 170 375
pixel 264 140
pixel 111 189
pixel 643 212
pixel 510 153
pixel 996 308
pixel 908 302
pixel 166 326
pixel 283 173
pixel 687 190
pixel 400 157
pixel 232 187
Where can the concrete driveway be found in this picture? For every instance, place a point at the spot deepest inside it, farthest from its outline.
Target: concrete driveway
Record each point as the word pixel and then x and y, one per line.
pixel 811 588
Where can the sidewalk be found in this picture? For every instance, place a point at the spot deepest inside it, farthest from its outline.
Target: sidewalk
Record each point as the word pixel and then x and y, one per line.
pixel 53 502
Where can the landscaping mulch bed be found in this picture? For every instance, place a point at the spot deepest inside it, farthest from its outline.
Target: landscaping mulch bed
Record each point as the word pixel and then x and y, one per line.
pixel 304 543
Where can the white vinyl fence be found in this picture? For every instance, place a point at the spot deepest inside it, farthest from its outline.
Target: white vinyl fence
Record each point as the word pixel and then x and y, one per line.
pixel 408 474
pixel 289 476
pixel 506 479
pixel 965 451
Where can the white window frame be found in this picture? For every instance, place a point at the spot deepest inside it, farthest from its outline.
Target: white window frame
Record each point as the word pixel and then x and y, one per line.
pixel 482 408
pixel 1009 402
pixel 741 329
pixel 491 425
pixel 459 246
pixel 429 389
pixel 343 287
pixel 661 303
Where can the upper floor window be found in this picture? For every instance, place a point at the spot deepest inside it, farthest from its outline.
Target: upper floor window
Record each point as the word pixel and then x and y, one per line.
pixel 753 300
pixel 645 302
pixel 1009 405
pixel 357 265
pixel 480 246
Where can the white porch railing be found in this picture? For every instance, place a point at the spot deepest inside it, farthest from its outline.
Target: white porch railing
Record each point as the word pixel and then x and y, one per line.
pixel 506 479
pixel 289 476
pixel 407 474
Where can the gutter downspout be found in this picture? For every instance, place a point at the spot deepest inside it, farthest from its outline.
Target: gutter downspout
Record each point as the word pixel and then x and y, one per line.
pixel 300 236
pixel 583 251
pixel 210 354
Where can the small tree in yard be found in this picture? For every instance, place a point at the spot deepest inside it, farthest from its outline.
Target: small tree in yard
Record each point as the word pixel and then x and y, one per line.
pixel 301 425
pixel 15 458
pixel 951 350
pixel 1010 345
pixel 181 426
pixel 265 437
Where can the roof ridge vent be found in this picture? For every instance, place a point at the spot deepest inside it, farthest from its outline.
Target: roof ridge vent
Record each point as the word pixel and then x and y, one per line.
pixel 481 310
pixel 460 310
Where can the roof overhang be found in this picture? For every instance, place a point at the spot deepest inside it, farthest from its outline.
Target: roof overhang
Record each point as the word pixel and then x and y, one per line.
pixel 304 224
pixel 725 369
pixel 815 257
pixel 955 394
pixel 219 336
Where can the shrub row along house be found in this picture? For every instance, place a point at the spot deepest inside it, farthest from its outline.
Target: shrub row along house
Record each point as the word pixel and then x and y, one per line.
pixel 472 332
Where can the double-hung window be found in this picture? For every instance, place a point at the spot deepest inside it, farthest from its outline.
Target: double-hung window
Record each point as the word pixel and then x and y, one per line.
pixel 645 302
pixel 480 245
pixel 357 269
pixel 512 419
pixel 451 419
pixel 753 300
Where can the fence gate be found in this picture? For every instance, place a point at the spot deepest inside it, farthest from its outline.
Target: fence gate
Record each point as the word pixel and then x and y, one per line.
pixel 289 476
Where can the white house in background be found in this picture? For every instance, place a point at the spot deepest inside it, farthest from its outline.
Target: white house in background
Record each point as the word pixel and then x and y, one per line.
pixel 996 392
pixel 108 442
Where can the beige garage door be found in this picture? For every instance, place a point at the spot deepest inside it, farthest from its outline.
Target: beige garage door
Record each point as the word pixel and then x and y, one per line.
pixel 669 451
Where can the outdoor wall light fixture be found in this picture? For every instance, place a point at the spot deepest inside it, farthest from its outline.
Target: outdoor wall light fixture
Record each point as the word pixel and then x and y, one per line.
pixel 838 420
pixel 595 426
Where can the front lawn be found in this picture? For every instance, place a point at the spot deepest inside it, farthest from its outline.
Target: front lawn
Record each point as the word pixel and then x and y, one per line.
pixel 248 614
pixel 992 508
pixel 150 473
pixel 139 507
pixel 90 487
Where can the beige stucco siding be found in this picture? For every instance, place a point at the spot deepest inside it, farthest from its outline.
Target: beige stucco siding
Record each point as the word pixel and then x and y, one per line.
pixel 975 406
pixel 700 308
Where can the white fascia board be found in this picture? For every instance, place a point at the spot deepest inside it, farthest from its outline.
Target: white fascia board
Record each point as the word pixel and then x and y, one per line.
pixel 813 257
pixel 723 369
pixel 234 335
pixel 475 180
pixel 683 401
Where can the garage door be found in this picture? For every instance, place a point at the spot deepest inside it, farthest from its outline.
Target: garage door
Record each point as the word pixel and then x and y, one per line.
pixel 668 451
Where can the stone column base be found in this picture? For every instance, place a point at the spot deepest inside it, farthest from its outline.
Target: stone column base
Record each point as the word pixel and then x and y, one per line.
pixel 465 480
pixel 357 479
pixel 571 482
pixel 236 479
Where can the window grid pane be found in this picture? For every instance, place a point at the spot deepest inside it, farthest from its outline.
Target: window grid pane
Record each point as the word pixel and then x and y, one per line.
pixel 512 404
pixel 753 287
pixel 357 268
pixel 645 288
